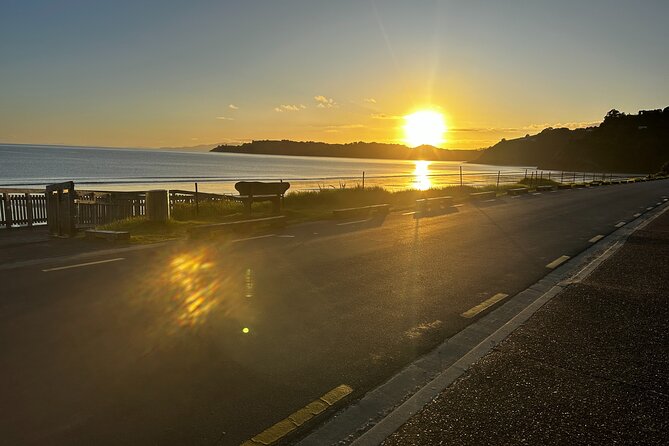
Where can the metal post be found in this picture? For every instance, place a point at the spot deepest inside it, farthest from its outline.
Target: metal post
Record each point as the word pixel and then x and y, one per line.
pixel 363 180
pixel 574 181
pixel 498 173
pixel 583 177
pixel 525 173
pixel 197 201
pixel 562 176
pixel 460 176
pixel 549 175
pixel 8 209
pixel 541 177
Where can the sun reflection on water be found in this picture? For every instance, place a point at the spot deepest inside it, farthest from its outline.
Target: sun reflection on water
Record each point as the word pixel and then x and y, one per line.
pixel 422 175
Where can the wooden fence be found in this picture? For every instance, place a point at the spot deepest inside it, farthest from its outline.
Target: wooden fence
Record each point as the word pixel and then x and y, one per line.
pixel 29 207
pixel 22 208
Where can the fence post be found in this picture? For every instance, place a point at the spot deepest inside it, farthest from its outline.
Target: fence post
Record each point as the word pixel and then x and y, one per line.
pixel 197 202
pixel 8 209
pixel 583 177
pixel 541 177
pixel 574 181
pixel 498 173
pixel 460 176
pixel 549 175
pixel 363 180
pixel 29 209
pixel 562 176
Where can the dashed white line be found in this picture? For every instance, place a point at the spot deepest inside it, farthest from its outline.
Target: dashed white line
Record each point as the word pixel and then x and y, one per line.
pixel 621 224
pixel 557 262
pixel 483 305
pixel 637 215
pixel 649 208
pixel 352 222
pixel 252 238
pixel 79 265
pixel 596 238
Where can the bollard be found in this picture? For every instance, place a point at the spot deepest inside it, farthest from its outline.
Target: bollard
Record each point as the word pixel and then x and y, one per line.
pixel 157 205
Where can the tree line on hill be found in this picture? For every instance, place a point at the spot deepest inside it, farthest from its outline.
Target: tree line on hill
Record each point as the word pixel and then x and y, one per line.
pixel 631 143
pixel 350 150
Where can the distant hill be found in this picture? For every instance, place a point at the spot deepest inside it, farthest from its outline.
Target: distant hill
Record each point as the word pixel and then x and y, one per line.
pixel 350 150
pixel 621 143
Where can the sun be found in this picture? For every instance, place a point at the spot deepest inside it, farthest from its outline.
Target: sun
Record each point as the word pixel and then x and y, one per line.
pixel 424 127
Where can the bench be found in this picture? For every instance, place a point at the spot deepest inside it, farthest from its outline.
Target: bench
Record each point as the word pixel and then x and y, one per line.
pixel 483 195
pixel 107 235
pixel 518 191
pixel 251 191
pixel 545 188
pixel 434 204
pixel 231 226
pixel 361 212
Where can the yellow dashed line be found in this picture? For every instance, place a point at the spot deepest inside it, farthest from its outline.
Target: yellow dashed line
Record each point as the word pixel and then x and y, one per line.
pixel 483 305
pixel 557 262
pixel 276 432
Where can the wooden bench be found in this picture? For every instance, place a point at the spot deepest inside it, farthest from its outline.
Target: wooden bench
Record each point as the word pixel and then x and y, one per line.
pixel 232 226
pixel 431 205
pixel 251 191
pixel 361 212
pixel 483 195
pixel 107 235
pixel 518 191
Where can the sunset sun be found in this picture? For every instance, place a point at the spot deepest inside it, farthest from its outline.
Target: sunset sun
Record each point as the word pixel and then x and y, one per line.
pixel 424 127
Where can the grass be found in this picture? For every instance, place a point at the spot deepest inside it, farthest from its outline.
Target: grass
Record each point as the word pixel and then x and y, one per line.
pixel 298 207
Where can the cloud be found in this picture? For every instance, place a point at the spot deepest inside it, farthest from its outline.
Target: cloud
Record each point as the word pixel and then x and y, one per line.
pixel 225 118
pixel 370 100
pixel 324 102
pixel 233 107
pixel 289 108
pixel 345 126
pixel 384 116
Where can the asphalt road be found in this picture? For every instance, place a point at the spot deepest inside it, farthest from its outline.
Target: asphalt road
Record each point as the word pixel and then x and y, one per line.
pixel 212 343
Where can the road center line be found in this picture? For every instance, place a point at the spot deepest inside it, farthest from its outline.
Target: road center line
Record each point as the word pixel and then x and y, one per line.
pixel 79 265
pixel 483 305
pixel 557 262
pixel 620 225
pixel 596 238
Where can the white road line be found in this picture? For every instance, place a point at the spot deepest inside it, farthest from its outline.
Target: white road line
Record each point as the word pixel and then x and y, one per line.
pixel 636 215
pixel 352 222
pixel 557 262
pixel 458 205
pixel 621 224
pixel 79 265
pixel 596 238
pixel 489 201
pixel 658 203
pixel 286 236
pixel 409 213
pixel 252 238
pixel 536 193
pixel 483 305
pixel 649 208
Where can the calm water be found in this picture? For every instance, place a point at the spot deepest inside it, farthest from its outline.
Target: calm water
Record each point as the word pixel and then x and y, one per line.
pixel 135 169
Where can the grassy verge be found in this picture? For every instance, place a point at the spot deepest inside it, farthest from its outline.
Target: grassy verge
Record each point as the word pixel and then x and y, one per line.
pixel 298 207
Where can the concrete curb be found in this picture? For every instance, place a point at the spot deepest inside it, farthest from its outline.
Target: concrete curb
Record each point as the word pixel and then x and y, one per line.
pixel 383 410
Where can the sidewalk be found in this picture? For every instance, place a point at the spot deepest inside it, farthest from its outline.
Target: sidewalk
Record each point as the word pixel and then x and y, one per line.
pixel 590 367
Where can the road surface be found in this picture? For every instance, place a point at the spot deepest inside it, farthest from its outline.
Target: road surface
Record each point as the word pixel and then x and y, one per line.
pixel 213 343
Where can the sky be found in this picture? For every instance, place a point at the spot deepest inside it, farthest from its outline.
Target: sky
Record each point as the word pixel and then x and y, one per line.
pixel 183 73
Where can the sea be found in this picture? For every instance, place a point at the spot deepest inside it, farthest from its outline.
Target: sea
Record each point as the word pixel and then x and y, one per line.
pixel 25 166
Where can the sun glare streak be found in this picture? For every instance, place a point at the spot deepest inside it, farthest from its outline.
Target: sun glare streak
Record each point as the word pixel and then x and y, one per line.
pixel 424 127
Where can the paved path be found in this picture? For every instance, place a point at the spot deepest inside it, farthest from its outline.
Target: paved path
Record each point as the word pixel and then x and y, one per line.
pixel 590 367
pixel 211 344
